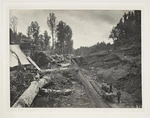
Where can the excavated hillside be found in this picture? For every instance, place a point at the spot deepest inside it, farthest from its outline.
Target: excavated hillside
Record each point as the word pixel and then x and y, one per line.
pixel 122 68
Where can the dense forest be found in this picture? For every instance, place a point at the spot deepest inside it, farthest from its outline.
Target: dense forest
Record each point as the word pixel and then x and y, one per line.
pixel 126 33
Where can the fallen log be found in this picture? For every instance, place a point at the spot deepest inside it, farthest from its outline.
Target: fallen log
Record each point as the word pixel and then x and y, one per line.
pixel 61 92
pixel 65 65
pixel 54 70
pixel 28 96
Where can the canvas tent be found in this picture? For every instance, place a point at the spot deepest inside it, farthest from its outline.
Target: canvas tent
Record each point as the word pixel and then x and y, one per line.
pixel 20 54
pixel 22 57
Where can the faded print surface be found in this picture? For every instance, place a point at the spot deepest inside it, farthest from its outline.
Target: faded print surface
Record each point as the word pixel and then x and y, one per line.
pixel 75 58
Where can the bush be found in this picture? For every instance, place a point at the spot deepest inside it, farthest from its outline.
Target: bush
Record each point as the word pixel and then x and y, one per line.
pixel 40 59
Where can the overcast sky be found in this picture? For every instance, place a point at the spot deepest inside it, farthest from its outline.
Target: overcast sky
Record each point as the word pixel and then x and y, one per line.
pixel 88 26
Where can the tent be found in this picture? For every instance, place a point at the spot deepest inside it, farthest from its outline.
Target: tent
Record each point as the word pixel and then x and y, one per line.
pixel 15 50
pixel 13 58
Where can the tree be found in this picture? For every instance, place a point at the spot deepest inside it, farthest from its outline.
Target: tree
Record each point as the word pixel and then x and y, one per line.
pixel 51 21
pixel 41 42
pixel 64 43
pixel 11 36
pixel 47 42
pixel 68 43
pixel 33 30
pixel 13 24
pixel 29 32
pixel 13 30
pixel 128 30
pixel 60 37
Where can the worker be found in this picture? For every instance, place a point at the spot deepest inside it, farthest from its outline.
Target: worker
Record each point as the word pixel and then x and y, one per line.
pixel 49 65
pixel 103 85
pixel 37 76
pixel 110 87
pixel 118 96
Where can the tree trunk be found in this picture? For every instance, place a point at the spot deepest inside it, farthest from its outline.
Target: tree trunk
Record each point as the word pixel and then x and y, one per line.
pixel 28 96
pixel 52 40
pixel 61 92
pixel 54 70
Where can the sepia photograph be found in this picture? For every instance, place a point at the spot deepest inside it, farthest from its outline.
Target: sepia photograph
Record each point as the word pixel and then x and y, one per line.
pixel 75 58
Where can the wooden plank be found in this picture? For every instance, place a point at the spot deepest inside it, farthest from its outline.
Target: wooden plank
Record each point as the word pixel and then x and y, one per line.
pixel 32 62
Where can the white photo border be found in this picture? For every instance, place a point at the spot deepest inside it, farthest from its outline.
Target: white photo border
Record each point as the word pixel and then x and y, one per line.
pixel 8 112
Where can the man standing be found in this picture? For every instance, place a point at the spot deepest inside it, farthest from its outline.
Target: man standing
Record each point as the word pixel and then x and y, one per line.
pixel 110 87
pixel 118 96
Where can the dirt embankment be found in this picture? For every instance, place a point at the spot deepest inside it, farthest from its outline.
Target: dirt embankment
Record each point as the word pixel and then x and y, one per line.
pixel 122 68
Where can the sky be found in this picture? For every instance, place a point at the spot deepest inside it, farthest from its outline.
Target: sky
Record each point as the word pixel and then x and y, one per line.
pixel 88 26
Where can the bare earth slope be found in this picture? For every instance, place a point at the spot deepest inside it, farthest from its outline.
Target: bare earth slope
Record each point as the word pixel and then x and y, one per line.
pixel 122 68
